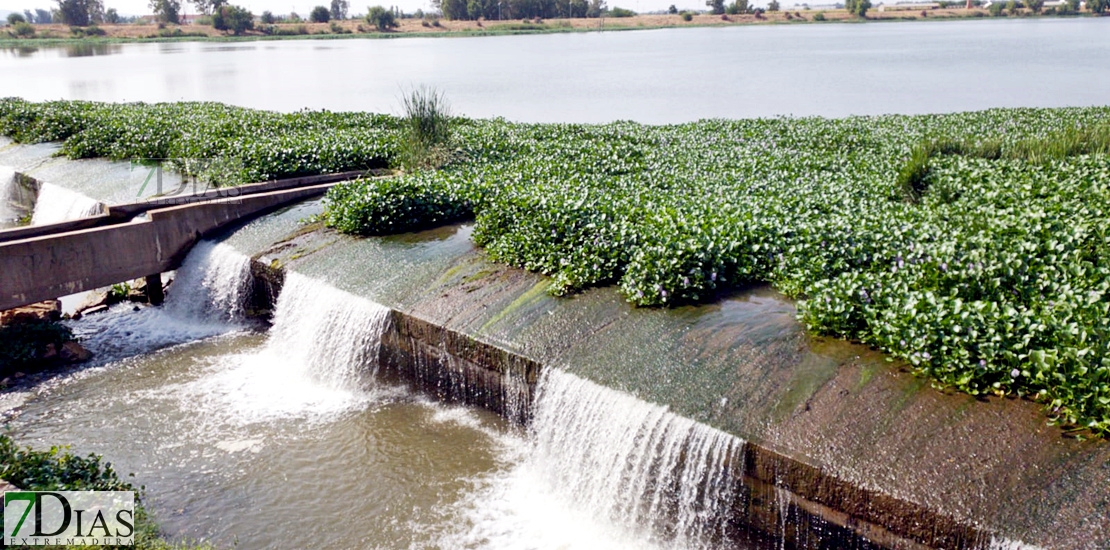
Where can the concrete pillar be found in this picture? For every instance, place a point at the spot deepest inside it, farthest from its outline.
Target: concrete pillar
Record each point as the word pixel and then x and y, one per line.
pixel 154 289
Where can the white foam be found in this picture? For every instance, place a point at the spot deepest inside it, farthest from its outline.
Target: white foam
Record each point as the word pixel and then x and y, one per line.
pixel 58 204
pixel 205 300
pixel 318 361
pixel 602 469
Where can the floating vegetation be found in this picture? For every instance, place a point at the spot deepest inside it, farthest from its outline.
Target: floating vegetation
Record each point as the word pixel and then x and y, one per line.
pixel 974 246
pixel 993 278
pixel 218 143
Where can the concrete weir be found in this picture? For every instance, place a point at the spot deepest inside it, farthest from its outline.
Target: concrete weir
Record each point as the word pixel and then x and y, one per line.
pixel 43 262
pixel 841 448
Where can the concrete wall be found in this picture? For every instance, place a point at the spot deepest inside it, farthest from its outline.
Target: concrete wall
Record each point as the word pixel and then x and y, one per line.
pixel 856 451
pixel 47 267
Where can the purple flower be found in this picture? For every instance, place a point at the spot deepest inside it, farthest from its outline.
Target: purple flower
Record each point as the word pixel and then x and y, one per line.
pixel 713 276
pixel 685 281
pixel 982 363
pixel 902 343
pixel 926 356
pixel 1015 373
pixel 944 267
pixel 664 293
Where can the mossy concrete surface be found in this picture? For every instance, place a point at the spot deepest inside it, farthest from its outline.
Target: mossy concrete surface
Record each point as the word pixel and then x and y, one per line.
pixel 836 432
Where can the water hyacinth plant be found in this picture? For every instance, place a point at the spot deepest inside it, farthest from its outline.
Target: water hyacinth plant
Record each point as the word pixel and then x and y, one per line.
pixel 981 262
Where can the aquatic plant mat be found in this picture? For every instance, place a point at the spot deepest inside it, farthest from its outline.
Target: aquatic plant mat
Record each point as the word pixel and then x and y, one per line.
pixel 982 262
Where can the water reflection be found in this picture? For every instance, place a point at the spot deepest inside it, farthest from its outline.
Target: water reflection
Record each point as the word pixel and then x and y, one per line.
pixel 84 49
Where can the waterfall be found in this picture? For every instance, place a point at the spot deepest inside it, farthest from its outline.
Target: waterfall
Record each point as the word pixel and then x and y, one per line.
pixel 316 363
pixel 16 200
pixel 601 468
pixel 207 298
pixel 334 335
pixel 213 284
pixel 58 204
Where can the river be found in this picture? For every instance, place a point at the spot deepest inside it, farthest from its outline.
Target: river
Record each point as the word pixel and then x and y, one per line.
pixel 651 76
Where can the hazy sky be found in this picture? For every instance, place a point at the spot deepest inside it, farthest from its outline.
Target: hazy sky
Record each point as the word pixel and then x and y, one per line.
pixel 302 7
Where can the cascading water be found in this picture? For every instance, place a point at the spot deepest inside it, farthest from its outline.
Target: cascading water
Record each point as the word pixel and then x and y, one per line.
pixel 213 284
pixel 603 468
pixel 335 335
pixel 206 299
pixel 16 200
pixel 58 204
pixel 317 360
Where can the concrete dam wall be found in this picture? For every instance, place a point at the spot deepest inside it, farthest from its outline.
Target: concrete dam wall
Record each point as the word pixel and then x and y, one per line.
pixel 840 448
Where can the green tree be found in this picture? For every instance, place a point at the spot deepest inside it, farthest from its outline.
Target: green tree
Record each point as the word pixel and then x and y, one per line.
pixel 1098 6
pixel 43 17
pixel 339 9
pixel 167 11
pixel 267 17
pixel 737 8
pixel 597 7
pixel 233 18
pixel 208 7
pixel 1012 7
pixel 1034 5
pixel 112 16
pixel 74 12
pixel 773 6
pixel 381 18
pixel 14 18
pixel 857 7
pixel 319 14
pixel 716 7
pixel 672 10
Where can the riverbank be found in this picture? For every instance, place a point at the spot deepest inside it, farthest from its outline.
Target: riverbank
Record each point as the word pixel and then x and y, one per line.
pixel 56 34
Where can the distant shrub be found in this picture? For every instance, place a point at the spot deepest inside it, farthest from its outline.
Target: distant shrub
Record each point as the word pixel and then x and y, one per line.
pixel 995 9
pixel 819 16
pixel 381 18
pixel 236 19
pixel 320 14
pixel 23 30
pixel 621 12
pixel 687 16
pixel 267 18
pixel 14 18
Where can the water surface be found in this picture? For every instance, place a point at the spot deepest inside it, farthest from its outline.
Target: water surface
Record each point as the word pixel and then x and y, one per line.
pixel 658 76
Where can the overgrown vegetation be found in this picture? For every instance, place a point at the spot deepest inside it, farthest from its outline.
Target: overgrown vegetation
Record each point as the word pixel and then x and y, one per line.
pixel 425 129
pixel 993 279
pixel 218 143
pixel 59 470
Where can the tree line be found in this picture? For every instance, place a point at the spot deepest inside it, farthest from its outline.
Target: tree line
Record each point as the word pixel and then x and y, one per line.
pixel 519 9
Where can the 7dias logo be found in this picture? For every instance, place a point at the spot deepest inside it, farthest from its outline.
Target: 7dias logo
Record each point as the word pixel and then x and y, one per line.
pixel 92 518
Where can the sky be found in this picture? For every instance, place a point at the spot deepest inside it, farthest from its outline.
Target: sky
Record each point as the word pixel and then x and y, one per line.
pixel 302 7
